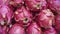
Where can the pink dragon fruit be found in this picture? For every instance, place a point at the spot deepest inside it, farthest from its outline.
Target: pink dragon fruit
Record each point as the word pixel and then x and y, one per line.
pixel 23 16
pixel 4 2
pixel 46 18
pixel 16 2
pixel 5 15
pixel 50 31
pixel 33 29
pixel 35 5
pixel 54 5
pixel 3 30
pixel 16 29
pixel 57 22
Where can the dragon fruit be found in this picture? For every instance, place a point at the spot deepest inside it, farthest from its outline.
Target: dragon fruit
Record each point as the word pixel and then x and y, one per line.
pixel 45 18
pixel 4 2
pixel 6 15
pixel 33 29
pixel 3 30
pixel 16 29
pixel 23 16
pixel 54 5
pixel 50 31
pixel 16 3
pixel 57 22
pixel 36 5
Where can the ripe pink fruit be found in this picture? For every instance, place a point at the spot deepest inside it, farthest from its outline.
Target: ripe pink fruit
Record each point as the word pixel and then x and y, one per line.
pixel 50 31
pixel 16 29
pixel 16 2
pixel 3 30
pixel 46 18
pixel 4 2
pixel 33 29
pixel 23 16
pixel 36 4
pixel 54 5
pixel 57 22
pixel 5 15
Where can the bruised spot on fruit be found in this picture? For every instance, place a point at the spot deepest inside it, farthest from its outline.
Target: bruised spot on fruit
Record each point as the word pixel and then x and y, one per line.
pixel 16 12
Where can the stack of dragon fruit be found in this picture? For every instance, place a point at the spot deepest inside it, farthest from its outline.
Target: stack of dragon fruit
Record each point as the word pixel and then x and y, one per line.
pixel 29 16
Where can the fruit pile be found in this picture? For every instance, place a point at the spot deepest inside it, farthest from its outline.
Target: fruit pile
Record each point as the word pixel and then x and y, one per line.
pixel 29 16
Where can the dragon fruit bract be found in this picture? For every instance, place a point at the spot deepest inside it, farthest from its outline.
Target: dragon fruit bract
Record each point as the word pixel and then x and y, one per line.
pixel 46 18
pixel 23 16
pixel 16 29
pixel 5 15
pixel 50 31
pixel 35 5
pixel 54 5
pixel 57 22
pixel 34 29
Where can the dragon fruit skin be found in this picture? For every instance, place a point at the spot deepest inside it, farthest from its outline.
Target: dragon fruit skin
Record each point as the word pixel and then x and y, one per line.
pixel 16 3
pixel 23 16
pixel 45 18
pixel 36 5
pixel 57 22
pixel 6 15
pixel 50 31
pixel 33 29
pixel 4 2
pixel 54 5
pixel 16 29
pixel 3 30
